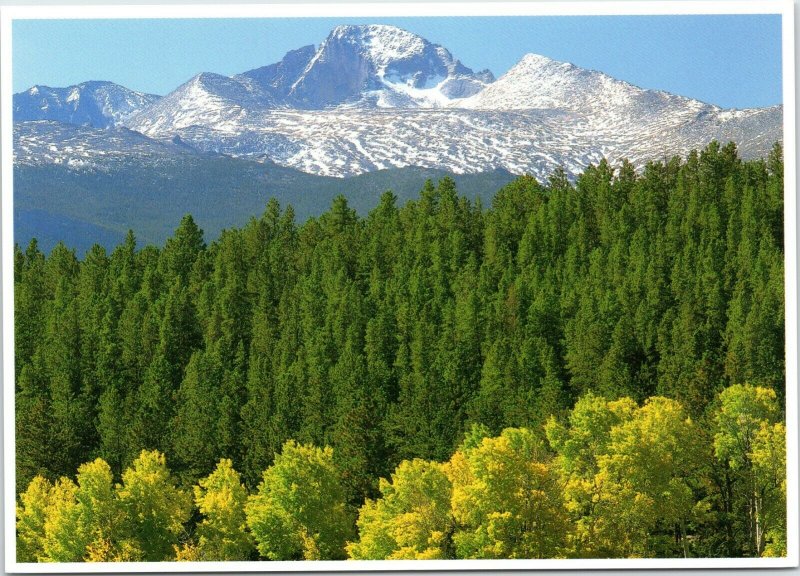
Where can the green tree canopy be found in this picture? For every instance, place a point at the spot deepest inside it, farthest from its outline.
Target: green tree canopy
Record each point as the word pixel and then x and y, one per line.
pixel 506 499
pixel 411 519
pixel 155 509
pixel 31 516
pixel 647 475
pixel 299 511
pixel 222 534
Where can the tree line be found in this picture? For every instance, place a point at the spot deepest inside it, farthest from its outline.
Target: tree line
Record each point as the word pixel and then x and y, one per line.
pixel 613 479
pixel 387 337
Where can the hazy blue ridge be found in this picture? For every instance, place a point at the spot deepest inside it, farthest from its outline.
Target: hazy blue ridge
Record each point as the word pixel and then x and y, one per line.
pixel 54 203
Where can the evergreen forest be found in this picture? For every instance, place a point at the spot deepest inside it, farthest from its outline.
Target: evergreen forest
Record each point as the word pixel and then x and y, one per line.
pixel 584 369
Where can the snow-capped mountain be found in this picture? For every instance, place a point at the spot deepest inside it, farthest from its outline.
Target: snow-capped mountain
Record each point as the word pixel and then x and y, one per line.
pixel 537 81
pixel 96 103
pixel 356 66
pixel 207 99
pixel 376 97
pixel 385 67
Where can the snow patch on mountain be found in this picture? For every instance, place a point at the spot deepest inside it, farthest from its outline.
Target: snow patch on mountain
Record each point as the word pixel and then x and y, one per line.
pixel 42 142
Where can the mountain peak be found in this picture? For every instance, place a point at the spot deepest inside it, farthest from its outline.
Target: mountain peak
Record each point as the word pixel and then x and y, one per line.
pixel 380 43
pixel 376 65
pixel 539 64
pixel 360 32
pixel 537 81
pixel 531 59
pixel 96 84
pixel 98 103
pixel 201 77
pixel 207 79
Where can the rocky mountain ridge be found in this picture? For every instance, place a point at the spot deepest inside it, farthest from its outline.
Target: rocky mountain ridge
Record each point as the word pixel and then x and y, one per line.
pixel 377 97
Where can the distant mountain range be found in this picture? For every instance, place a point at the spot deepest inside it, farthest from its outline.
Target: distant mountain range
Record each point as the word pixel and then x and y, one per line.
pixel 377 98
pixel 96 103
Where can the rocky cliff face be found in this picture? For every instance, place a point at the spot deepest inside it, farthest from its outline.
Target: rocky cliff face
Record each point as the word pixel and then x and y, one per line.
pixel 277 79
pixel 381 66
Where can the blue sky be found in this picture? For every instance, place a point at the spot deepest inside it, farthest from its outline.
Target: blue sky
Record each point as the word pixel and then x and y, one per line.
pixel 728 60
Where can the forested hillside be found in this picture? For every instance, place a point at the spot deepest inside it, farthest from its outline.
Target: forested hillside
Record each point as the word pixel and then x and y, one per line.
pixel 578 332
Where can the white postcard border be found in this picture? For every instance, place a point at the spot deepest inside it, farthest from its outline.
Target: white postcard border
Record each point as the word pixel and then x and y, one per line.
pixel 785 8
